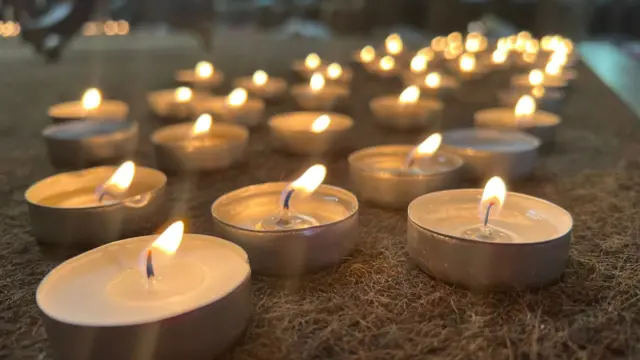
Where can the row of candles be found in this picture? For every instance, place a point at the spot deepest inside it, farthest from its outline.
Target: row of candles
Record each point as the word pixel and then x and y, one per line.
pixel 199 285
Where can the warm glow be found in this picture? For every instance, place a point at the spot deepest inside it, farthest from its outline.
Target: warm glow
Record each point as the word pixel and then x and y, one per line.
pixel 312 61
pixel 427 52
pixel 260 78
pixel 433 80
pixel 123 27
pixel 473 42
pixel 511 42
pixel 553 69
pixel 367 54
pixel 499 56
pixel 122 177
pixel 91 99
pixel 538 92
pixel 393 44
pixel 429 146
pixel 316 83
pixel 453 51
pixel 524 35
pixel 237 97
pixel 439 43
pixel 169 241
pixel 204 69
pixel 454 38
pixel 558 58
pixel 334 71
pixel 410 95
pixel 536 77
pixel 532 46
pixel 467 62
pixel 545 43
pixel 494 194
pixel 419 64
pixel 503 44
pixel 387 63
pixel 202 125
pixel 525 107
pixel 565 46
pixel 321 124
pixel 110 28
pixel 183 94
pixel 529 58
pixel 310 180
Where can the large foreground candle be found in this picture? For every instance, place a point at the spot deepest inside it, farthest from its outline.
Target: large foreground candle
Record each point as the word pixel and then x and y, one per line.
pixel 151 297
pixel 290 228
pixel 92 105
pixel 489 239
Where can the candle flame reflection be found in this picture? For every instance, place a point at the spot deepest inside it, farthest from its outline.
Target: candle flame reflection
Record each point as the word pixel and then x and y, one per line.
pixel 494 194
pixel 320 124
pixel 91 99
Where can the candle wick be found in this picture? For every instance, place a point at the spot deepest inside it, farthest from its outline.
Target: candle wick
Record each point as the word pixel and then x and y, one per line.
pixel 150 272
pixel 486 216
pixel 287 199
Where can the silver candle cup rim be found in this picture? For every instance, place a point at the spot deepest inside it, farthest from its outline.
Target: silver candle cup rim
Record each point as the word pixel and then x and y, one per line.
pixel 283 122
pixel 188 76
pixel 108 108
pixel 447 137
pixel 490 243
pixel 356 158
pixel 278 187
pixel 540 119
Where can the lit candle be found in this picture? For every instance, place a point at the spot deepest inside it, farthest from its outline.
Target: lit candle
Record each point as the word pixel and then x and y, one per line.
pixel 453 51
pixel 455 235
pixel 536 78
pixel 91 105
pixel 262 85
pixel 525 109
pixel 409 96
pixel 433 80
pixel 406 111
pixel 475 42
pixel 454 38
pixel 386 66
pixel 419 64
pixel 337 73
pixel 202 76
pixel 467 63
pixel 317 94
pixel 183 95
pixel 316 83
pixel 179 104
pixel 499 57
pixel 237 98
pixel 428 53
pixel 532 46
pixel 237 107
pixel 204 69
pixel 260 78
pixel 367 55
pixel 173 283
pixel 393 44
pixel 309 133
pixel 312 62
pixel 439 43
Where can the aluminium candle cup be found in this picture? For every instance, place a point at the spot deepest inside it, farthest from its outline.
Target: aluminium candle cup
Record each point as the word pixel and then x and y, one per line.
pixel 164 105
pixel 325 99
pixel 249 114
pixel 176 151
pixel 237 217
pixel 73 110
pixel 422 114
pixel 551 100
pixel 273 89
pixel 65 213
pixel 489 152
pixel 292 132
pixel 81 143
pixel 551 82
pixel 188 77
pixel 344 79
pixel 89 314
pixel 448 85
pixel 534 256
pixel 541 124
pixel 304 72
pixel 379 175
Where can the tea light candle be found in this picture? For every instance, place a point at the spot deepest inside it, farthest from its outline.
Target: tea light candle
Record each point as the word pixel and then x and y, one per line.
pixel 393 45
pixel 417 68
pixel 134 298
pixel 290 228
pixel 338 74
pixel 537 78
pixel 106 201
pixel 203 75
pixel 386 67
pixel 439 44
pixel 309 133
pixel 92 105
pixel 499 59
pixel 311 64
pixel 262 85
pixel 179 104
pixel 366 56
pixel 525 117
pixel 203 145
pixel 434 84
pixel 475 43
pixel 557 72
pixel 487 152
pixel 407 111
pixel 458 235
pixel 318 95
pixel 393 175
pixel 77 144
pixel 237 108
pixel 547 99
pixel 468 68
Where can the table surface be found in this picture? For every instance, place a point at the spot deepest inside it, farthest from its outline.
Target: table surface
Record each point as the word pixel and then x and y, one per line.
pixel 375 305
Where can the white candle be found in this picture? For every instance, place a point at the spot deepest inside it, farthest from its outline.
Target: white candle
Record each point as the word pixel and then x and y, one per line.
pixel 263 85
pixel 91 105
pixel 203 75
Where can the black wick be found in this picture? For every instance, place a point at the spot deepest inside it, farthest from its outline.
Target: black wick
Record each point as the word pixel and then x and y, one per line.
pixel 150 272
pixel 486 215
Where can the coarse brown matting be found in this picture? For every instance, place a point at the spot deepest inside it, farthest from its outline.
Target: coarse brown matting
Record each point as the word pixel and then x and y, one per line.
pixel 375 305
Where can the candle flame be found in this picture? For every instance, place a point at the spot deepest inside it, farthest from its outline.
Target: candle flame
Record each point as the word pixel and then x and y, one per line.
pixel 419 63
pixel 439 43
pixel 565 46
pixel 453 51
pixel 545 43
pixel 499 56
pixel 312 61
pixel 536 77
pixel 525 107
pixel 237 97
pixel 169 241
pixel 532 46
pixel 559 58
pixel 538 92
pixel 367 54
pixel 529 58
pixel 503 44
pixel 427 52
pixel 260 77
pixel 334 71
pixel 410 95
pixel 553 68
pixel 316 83
pixel 183 94
pixel 91 99
pixel 494 194
pixel 429 146
pixel 204 69
pixel 472 44
pixel 454 38
pixel 321 124
pixel 467 62
pixel 122 177
pixel 393 44
pixel 433 80
pixel 310 180
pixel 202 125
pixel 387 63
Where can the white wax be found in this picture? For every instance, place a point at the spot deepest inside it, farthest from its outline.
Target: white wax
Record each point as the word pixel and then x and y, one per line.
pixel 392 160
pixel 107 286
pixel 301 121
pixel 505 117
pixel 114 109
pixel 188 76
pixel 162 102
pixel 525 218
pixel 477 139
pixel 274 87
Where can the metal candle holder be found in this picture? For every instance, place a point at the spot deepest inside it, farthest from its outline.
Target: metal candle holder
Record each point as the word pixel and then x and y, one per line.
pixel 541 124
pixel 189 77
pixel 164 105
pixel 73 110
pixel 249 114
pixel 550 101
pixel 325 99
pixel 273 89
pixel 292 132
pixel 422 114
